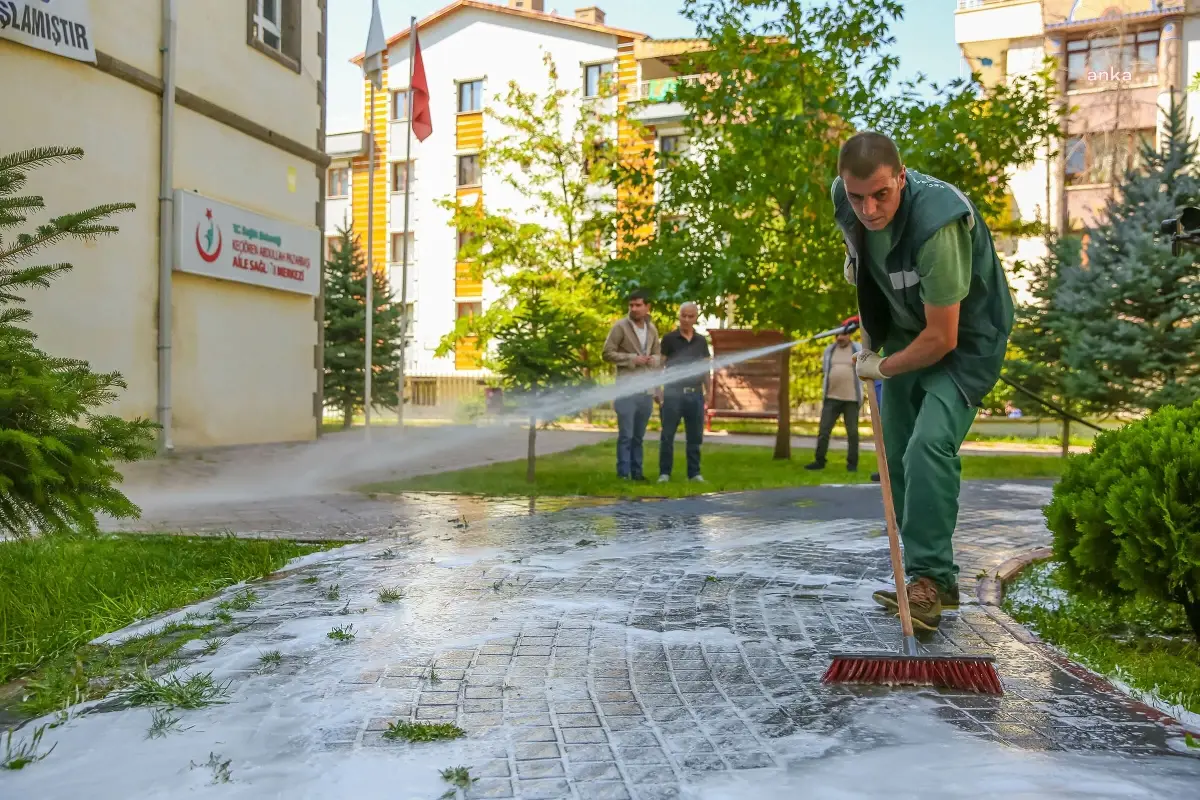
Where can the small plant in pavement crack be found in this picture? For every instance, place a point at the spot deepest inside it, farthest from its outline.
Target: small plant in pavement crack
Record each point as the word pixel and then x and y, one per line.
pixel 220 769
pixel 196 691
pixel 342 633
pixel 242 601
pixel 223 616
pixel 387 555
pixel 423 731
pixel 162 722
pixel 270 659
pixel 1191 741
pixel 310 580
pixel 212 645
pixel 390 595
pixel 459 777
pixel 25 753
pixel 332 592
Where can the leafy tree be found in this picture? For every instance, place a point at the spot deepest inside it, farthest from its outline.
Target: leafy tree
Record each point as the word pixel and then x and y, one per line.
pixel 539 346
pixel 56 449
pixel 346 329
pixel 1132 311
pixel 554 151
pixel 747 215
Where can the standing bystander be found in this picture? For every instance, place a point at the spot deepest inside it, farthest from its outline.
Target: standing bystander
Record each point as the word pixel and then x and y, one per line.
pixel 683 398
pixel 842 398
pixel 633 346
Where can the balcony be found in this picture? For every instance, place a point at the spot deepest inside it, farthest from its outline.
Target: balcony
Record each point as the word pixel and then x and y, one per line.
pixel 655 100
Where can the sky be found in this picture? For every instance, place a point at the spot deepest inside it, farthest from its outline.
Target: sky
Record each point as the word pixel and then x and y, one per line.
pixel 924 39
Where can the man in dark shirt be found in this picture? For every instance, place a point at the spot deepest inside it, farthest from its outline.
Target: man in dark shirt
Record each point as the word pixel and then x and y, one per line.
pixel 683 398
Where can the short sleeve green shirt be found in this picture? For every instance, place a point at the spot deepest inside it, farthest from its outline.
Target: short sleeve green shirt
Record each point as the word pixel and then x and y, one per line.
pixel 943 264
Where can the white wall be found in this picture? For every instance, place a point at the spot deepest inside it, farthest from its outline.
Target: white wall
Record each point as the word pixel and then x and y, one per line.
pixel 470 44
pixel 243 363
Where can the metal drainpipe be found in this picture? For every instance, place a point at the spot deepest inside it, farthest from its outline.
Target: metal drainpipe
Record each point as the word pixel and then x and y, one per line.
pixel 166 225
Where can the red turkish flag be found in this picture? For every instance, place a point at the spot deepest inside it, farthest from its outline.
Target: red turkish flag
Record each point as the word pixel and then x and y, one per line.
pixel 422 122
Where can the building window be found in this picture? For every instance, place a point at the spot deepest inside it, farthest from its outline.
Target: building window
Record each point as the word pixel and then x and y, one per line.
pixel 274 29
pixel 332 246
pixel 468 170
pixel 398 248
pixel 400 105
pixel 595 78
pixel 402 173
pixel 462 310
pixel 464 238
pixel 1099 158
pixel 267 19
pixel 1099 61
pixel 470 96
pixel 671 146
pixel 338 182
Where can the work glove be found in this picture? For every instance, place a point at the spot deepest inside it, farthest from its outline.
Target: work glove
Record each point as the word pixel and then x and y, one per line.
pixel 868 365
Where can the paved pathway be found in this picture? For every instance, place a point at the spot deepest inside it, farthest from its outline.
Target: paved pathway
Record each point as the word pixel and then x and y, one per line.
pixel 648 650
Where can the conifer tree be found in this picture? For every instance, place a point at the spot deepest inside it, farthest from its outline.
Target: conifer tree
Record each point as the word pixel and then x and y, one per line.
pixel 1133 310
pixel 345 333
pixel 57 450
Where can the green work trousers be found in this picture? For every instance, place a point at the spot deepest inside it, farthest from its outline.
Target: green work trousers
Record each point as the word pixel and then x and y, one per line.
pixel 925 420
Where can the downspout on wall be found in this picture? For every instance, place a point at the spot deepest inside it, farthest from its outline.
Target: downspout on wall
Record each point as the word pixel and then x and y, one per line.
pixel 166 225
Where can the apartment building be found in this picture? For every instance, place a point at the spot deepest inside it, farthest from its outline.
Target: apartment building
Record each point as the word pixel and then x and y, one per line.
pixel 1117 64
pixel 209 116
pixel 471 51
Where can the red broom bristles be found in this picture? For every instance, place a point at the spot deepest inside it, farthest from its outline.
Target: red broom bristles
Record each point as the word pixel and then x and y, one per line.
pixel 899 670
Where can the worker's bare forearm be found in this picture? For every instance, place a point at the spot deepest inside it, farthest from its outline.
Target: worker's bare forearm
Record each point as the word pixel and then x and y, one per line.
pixel 926 350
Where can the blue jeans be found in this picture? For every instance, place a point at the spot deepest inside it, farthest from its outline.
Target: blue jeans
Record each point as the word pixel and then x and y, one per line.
pixel 633 414
pixel 689 407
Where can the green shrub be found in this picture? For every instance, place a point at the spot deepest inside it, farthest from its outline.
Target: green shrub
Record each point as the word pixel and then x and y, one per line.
pixel 1126 516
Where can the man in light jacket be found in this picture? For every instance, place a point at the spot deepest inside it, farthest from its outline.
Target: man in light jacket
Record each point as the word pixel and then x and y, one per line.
pixel 633 346
pixel 842 398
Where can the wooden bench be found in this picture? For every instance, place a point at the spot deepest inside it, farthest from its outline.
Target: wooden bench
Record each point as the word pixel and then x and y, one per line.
pixel 750 389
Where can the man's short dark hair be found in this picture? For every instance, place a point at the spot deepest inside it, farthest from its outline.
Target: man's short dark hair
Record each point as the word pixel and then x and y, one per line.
pixel 638 294
pixel 864 153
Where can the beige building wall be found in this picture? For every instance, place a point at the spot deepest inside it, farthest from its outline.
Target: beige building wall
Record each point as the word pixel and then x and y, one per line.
pixel 244 362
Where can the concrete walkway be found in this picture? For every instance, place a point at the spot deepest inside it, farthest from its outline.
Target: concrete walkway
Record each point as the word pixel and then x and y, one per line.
pixel 635 650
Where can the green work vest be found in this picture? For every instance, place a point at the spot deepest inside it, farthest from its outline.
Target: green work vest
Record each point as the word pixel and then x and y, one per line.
pixel 986 314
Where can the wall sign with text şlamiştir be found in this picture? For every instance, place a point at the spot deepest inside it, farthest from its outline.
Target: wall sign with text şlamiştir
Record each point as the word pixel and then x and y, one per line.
pixel 62 27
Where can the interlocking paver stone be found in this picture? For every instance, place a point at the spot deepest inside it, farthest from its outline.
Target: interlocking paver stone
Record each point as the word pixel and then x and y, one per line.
pixel 620 670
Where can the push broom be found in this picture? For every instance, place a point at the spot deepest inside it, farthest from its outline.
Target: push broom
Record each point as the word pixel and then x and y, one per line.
pixel 909 667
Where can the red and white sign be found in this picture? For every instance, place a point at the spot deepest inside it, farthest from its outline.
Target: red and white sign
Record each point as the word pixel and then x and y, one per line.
pixel 223 241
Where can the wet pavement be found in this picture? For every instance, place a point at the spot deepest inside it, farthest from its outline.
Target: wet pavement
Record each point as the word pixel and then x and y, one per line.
pixel 648 650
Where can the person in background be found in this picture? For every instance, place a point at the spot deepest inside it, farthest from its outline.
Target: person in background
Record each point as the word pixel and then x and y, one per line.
pixel 684 398
pixel 633 346
pixel 842 391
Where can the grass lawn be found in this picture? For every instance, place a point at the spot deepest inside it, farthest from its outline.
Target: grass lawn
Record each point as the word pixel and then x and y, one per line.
pixel 1146 645
pixel 57 594
pixel 591 470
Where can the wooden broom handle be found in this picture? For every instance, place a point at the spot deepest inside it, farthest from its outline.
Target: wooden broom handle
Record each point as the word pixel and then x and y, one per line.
pixel 889 512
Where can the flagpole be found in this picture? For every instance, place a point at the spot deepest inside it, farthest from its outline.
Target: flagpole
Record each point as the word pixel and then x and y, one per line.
pixel 408 177
pixel 370 277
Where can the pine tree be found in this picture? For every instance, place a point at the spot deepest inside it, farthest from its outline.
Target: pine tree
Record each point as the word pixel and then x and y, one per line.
pixel 1133 310
pixel 56 449
pixel 345 333
pixel 1040 335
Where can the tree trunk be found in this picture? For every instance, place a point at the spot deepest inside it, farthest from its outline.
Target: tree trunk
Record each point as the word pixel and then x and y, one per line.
pixel 531 455
pixel 1192 611
pixel 347 417
pixel 783 432
pixel 1066 437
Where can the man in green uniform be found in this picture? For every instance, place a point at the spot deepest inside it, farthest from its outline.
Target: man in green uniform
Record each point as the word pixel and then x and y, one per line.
pixel 936 314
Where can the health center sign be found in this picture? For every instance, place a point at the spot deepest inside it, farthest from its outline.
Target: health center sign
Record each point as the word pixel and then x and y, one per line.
pixel 233 244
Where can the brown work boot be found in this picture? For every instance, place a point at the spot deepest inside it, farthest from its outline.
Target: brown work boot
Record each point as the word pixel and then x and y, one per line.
pixel 949 598
pixel 924 603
